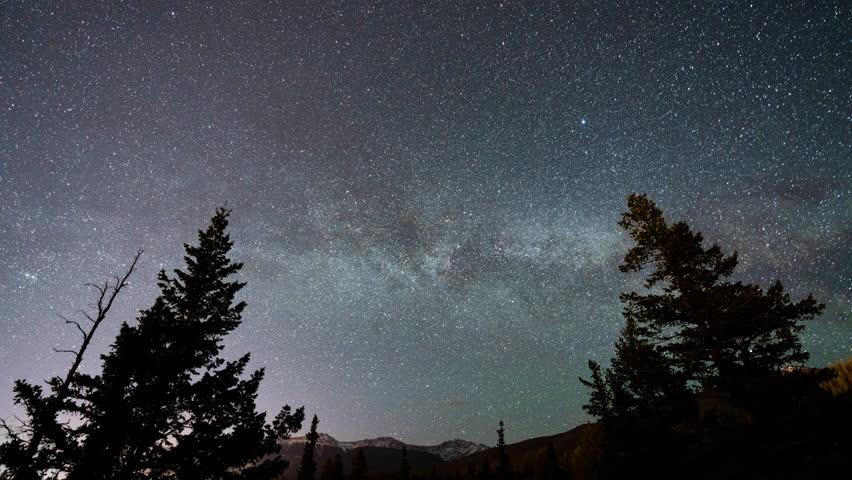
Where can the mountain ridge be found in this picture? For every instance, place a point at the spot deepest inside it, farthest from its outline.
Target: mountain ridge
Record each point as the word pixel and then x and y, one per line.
pixel 448 450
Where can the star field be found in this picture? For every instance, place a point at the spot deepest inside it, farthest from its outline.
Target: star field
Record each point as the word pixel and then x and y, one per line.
pixel 424 194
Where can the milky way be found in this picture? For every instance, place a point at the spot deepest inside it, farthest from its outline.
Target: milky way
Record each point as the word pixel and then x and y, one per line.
pixel 424 194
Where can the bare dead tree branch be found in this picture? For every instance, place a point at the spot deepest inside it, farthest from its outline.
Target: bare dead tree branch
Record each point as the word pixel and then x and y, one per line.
pixel 10 432
pixel 102 310
pixel 106 296
pixel 24 426
pixel 88 317
pixel 63 350
pixel 75 323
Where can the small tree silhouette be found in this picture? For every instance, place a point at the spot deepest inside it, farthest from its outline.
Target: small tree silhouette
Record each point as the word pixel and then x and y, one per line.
pixel 309 466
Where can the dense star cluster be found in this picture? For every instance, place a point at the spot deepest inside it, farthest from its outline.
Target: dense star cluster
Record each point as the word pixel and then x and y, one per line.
pixel 424 193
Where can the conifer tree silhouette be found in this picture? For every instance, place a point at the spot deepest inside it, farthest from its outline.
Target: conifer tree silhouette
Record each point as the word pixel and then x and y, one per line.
pixel 166 404
pixel 42 443
pixel 693 327
pixel 694 333
pixel 309 466
pixel 504 469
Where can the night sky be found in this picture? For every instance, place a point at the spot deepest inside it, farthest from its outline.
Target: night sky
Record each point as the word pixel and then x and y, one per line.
pixel 424 194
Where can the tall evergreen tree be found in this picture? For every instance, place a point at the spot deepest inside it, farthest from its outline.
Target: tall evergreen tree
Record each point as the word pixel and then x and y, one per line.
pixel 309 465
pixel 166 404
pixel 359 465
pixel 716 331
pixel 42 444
pixel 693 328
pixel 639 381
pixel 504 469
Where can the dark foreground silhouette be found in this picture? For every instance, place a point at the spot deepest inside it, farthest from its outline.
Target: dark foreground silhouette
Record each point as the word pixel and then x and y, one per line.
pixel 708 381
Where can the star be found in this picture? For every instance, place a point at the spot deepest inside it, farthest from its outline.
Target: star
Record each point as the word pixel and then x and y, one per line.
pixel 425 198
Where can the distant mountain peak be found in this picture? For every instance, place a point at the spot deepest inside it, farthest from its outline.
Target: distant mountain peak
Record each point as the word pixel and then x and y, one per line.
pixel 448 450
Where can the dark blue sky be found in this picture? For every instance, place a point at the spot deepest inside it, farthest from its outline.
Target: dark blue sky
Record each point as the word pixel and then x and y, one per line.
pixel 425 194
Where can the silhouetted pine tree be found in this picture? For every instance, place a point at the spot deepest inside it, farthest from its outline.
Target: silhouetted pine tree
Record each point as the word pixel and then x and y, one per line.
pixel 639 380
pixel 309 466
pixel 692 330
pixel 42 444
pixel 359 465
pixel 694 324
pixel 404 467
pixel 504 469
pixel 165 404
pixel 333 469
